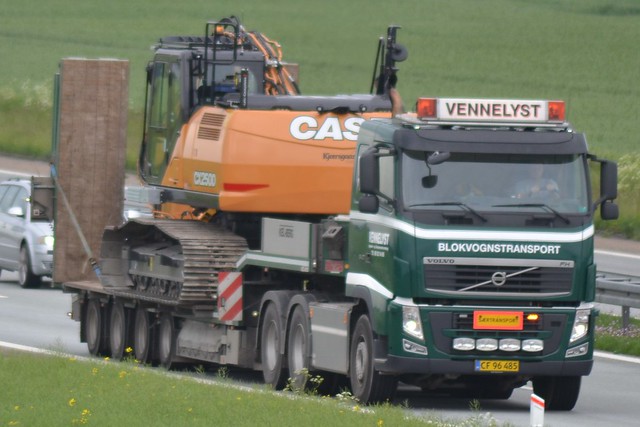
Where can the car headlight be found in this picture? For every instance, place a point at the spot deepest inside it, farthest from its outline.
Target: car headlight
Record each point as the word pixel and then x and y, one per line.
pixel 46 240
pixel 411 322
pixel 580 325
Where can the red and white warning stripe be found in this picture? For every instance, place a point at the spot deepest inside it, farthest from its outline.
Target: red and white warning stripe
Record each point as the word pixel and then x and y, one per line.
pixel 230 296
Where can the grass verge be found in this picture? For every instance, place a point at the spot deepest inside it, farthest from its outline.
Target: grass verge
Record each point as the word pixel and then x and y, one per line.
pixel 611 337
pixel 43 390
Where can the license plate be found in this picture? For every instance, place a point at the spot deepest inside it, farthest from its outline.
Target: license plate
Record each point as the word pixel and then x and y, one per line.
pixel 497 365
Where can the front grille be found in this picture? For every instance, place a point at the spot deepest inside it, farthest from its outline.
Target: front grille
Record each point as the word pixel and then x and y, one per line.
pixel 480 276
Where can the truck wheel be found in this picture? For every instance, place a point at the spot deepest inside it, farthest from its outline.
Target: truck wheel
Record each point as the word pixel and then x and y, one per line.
pixel 94 328
pixel 118 330
pixel 299 348
pixel 167 336
pixel 559 393
pixel 367 385
pixel 142 336
pixel 272 359
pixel 26 277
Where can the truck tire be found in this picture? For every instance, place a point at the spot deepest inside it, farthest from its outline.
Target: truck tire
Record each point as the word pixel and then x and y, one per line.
pixel 367 384
pixel 119 330
pixel 26 277
pixel 299 358
pixel 94 328
pixel 142 336
pixel 299 348
pixel 559 393
pixel 272 359
pixel 167 335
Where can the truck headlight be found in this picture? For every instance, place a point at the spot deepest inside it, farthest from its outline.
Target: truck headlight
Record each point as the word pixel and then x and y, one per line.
pixel 580 325
pixel 411 322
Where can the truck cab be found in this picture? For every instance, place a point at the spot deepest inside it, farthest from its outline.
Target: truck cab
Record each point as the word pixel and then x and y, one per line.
pixel 471 231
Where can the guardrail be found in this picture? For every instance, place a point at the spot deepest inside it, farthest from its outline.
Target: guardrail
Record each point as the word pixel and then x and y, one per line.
pixel 622 291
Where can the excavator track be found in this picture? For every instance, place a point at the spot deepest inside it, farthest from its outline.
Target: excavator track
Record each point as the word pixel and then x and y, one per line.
pixel 172 262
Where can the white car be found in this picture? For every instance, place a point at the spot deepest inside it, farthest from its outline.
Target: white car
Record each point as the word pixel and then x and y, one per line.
pixel 26 245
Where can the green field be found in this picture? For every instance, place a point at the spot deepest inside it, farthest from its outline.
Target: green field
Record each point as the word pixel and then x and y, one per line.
pixel 582 51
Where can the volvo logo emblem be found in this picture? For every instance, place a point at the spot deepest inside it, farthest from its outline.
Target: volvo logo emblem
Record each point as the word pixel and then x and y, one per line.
pixel 499 278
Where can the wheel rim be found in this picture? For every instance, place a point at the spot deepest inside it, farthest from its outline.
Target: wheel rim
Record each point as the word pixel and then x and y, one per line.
pixel 22 271
pixel 141 338
pixel 117 331
pixel 361 361
pixel 165 346
pixel 298 344
pixel 93 328
pixel 271 345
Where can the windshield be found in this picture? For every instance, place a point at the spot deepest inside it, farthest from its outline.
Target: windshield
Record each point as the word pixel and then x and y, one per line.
pixel 495 183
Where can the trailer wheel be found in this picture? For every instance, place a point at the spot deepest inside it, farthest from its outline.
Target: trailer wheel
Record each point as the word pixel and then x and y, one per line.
pixel 367 384
pixel 559 393
pixel 142 336
pixel 167 336
pixel 94 328
pixel 118 330
pixel 272 358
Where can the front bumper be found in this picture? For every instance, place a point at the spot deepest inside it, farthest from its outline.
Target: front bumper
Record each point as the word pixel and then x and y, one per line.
pixel 397 365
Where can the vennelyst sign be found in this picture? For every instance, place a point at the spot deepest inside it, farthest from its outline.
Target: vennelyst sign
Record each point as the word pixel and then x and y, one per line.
pixel 475 110
pixel 492 109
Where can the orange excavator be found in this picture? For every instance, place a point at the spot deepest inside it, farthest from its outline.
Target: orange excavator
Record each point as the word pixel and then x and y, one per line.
pixel 227 130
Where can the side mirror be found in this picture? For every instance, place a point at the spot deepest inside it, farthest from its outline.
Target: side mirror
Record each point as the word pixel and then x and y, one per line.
pixel 429 181
pixel 609 211
pixel 608 190
pixel 369 172
pixel 368 203
pixel 16 211
pixel 608 180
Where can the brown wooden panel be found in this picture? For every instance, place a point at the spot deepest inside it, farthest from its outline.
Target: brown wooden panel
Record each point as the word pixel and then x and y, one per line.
pixel 90 161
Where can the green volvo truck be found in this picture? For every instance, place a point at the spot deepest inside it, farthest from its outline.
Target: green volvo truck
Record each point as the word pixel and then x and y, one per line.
pixel 470 239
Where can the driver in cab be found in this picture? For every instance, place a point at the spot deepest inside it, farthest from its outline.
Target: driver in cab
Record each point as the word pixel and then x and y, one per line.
pixel 536 186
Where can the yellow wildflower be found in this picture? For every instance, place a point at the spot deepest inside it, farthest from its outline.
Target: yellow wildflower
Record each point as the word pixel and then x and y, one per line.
pixel 72 402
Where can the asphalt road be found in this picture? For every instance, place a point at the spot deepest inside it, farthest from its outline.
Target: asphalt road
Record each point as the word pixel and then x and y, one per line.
pixel 38 317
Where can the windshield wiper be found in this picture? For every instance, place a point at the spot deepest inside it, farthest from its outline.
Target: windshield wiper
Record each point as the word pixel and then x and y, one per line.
pixel 464 206
pixel 535 205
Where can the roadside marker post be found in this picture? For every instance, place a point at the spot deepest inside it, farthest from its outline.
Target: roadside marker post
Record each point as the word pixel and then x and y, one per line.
pixel 537 411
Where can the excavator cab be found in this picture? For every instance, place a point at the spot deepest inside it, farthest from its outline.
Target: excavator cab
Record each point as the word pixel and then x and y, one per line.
pixel 222 68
